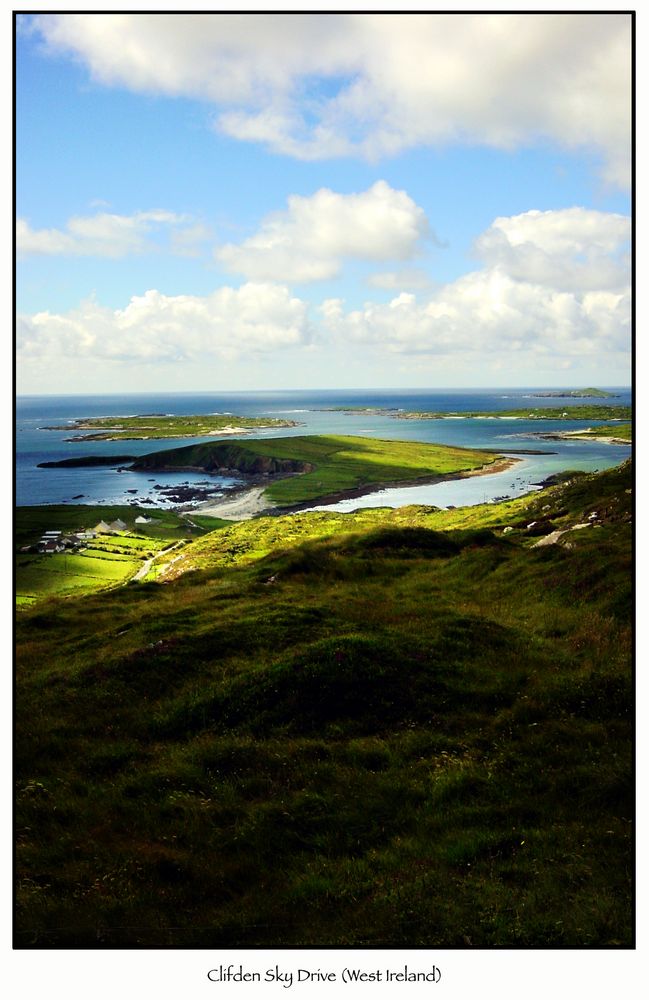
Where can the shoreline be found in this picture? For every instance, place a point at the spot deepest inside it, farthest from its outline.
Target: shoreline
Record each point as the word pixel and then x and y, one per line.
pixel 249 502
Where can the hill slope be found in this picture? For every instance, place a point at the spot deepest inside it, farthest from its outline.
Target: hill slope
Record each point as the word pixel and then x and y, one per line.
pixel 416 732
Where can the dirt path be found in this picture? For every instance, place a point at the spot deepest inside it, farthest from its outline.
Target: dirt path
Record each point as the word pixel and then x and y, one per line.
pixel 146 566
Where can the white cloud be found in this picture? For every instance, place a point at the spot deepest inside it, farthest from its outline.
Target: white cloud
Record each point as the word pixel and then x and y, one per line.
pixel 308 241
pixel 153 327
pixel 574 248
pixel 555 283
pixel 315 86
pixel 488 313
pixel 101 235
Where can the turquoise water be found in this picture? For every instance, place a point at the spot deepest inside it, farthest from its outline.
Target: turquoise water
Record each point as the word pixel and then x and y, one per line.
pixel 107 486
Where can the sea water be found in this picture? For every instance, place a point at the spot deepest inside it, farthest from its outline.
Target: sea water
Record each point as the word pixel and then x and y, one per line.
pixel 316 413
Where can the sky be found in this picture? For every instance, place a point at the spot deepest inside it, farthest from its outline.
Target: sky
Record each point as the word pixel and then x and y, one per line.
pixel 289 201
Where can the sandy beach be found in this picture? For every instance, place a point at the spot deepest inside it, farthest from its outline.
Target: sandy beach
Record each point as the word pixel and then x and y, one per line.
pixel 241 507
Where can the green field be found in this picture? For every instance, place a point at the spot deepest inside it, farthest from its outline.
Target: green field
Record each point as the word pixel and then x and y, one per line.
pixel 327 464
pixel 389 729
pixel 61 574
pixel 160 426
pixel 105 561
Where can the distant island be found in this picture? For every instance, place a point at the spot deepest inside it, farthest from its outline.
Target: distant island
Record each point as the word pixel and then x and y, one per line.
pixel 530 413
pixel 584 412
pixel 577 394
pixel 141 427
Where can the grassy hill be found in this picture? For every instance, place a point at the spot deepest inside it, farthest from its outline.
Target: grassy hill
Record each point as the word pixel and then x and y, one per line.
pixel 396 728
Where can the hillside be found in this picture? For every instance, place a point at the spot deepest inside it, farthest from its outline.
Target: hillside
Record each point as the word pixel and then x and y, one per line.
pixel 395 728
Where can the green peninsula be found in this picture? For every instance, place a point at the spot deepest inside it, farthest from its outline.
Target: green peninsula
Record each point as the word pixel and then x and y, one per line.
pixel 159 425
pixel 316 467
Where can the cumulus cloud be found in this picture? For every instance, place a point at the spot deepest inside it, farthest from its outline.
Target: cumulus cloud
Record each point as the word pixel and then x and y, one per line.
pixel 256 318
pixel 554 283
pixel 575 248
pixel 490 313
pixel 313 85
pixel 101 235
pixel 308 241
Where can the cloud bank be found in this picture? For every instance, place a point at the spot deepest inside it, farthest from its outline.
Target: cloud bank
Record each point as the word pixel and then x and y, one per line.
pixel 154 328
pixel 515 307
pixel 325 85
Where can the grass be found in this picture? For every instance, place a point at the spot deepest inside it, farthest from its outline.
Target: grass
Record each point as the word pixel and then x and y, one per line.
pixel 385 730
pixel 62 574
pixel 327 464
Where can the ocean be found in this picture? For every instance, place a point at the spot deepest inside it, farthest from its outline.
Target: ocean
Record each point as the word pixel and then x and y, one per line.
pixel 312 409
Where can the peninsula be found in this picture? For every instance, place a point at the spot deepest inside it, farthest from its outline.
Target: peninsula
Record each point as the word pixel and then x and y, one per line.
pixel 298 470
pixel 620 434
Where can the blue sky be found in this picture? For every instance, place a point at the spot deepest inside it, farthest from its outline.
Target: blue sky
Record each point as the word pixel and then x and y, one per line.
pixel 250 202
